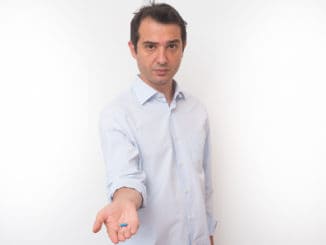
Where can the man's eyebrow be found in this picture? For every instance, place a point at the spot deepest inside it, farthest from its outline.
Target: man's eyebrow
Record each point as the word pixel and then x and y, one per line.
pixel 174 41
pixel 149 42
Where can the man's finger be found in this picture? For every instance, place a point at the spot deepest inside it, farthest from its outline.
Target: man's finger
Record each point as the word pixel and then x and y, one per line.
pixel 112 232
pixel 121 235
pixel 127 232
pixel 98 222
pixel 134 225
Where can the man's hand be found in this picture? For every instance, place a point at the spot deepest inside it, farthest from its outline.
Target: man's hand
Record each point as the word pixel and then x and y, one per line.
pixel 211 238
pixel 123 209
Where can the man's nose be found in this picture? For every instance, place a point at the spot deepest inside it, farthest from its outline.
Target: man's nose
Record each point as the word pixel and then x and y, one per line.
pixel 161 56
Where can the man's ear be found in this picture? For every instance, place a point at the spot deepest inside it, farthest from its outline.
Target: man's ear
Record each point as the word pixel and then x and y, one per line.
pixel 132 49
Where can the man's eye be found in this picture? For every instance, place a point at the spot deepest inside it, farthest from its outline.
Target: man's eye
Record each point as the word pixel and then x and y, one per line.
pixel 150 46
pixel 172 45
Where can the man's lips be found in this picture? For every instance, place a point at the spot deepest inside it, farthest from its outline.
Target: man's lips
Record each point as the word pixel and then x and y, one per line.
pixel 161 71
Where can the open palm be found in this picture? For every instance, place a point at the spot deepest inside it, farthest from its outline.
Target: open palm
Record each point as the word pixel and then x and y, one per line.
pixel 115 214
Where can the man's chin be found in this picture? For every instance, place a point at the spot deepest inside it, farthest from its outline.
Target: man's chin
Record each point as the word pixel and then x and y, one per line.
pixel 161 80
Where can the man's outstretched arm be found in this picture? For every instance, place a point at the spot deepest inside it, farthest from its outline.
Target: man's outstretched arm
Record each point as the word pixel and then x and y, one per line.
pixel 120 217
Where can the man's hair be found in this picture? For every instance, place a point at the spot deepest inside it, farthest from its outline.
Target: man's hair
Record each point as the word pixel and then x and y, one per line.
pixel 160 12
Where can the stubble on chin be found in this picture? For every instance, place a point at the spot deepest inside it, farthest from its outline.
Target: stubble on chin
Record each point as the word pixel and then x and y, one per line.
pixel 161 83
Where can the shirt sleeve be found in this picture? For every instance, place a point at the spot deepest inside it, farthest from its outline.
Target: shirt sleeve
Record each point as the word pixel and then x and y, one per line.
pixel 211 221
pixel 121 154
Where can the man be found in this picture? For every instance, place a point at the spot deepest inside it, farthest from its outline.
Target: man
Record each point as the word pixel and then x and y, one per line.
pixel 155 140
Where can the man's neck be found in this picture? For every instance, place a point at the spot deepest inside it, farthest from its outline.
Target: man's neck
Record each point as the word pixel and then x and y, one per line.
pixel 167 89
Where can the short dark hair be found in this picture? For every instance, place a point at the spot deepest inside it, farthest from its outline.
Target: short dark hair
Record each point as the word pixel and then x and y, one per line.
pixel 160 12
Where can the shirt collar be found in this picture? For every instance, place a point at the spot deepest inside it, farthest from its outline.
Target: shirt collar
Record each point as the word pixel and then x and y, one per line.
pixel 145 92
pixel 178 94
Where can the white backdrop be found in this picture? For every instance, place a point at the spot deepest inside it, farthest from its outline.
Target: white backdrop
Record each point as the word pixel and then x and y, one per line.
pixel 259 66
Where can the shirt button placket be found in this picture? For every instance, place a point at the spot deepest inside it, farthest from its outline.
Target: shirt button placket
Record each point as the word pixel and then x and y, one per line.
pixel 181 170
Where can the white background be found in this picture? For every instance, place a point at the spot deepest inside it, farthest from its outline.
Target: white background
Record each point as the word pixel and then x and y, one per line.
pixel 258 66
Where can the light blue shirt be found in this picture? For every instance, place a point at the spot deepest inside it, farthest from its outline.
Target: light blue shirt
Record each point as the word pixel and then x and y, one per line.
pixel 163 152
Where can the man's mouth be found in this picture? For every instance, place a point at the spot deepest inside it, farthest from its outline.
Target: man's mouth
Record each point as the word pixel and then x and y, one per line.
pixel 161 72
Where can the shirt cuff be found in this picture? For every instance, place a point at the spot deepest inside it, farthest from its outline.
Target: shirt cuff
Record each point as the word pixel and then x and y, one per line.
pixel 212 223
pixel 113 187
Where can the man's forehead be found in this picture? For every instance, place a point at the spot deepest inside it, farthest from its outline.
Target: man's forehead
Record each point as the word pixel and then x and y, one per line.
pixel 150 28
pixel 168 41
pixel 156 32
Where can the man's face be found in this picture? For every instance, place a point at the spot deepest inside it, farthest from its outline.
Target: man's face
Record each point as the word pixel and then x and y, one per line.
pixel 159 52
